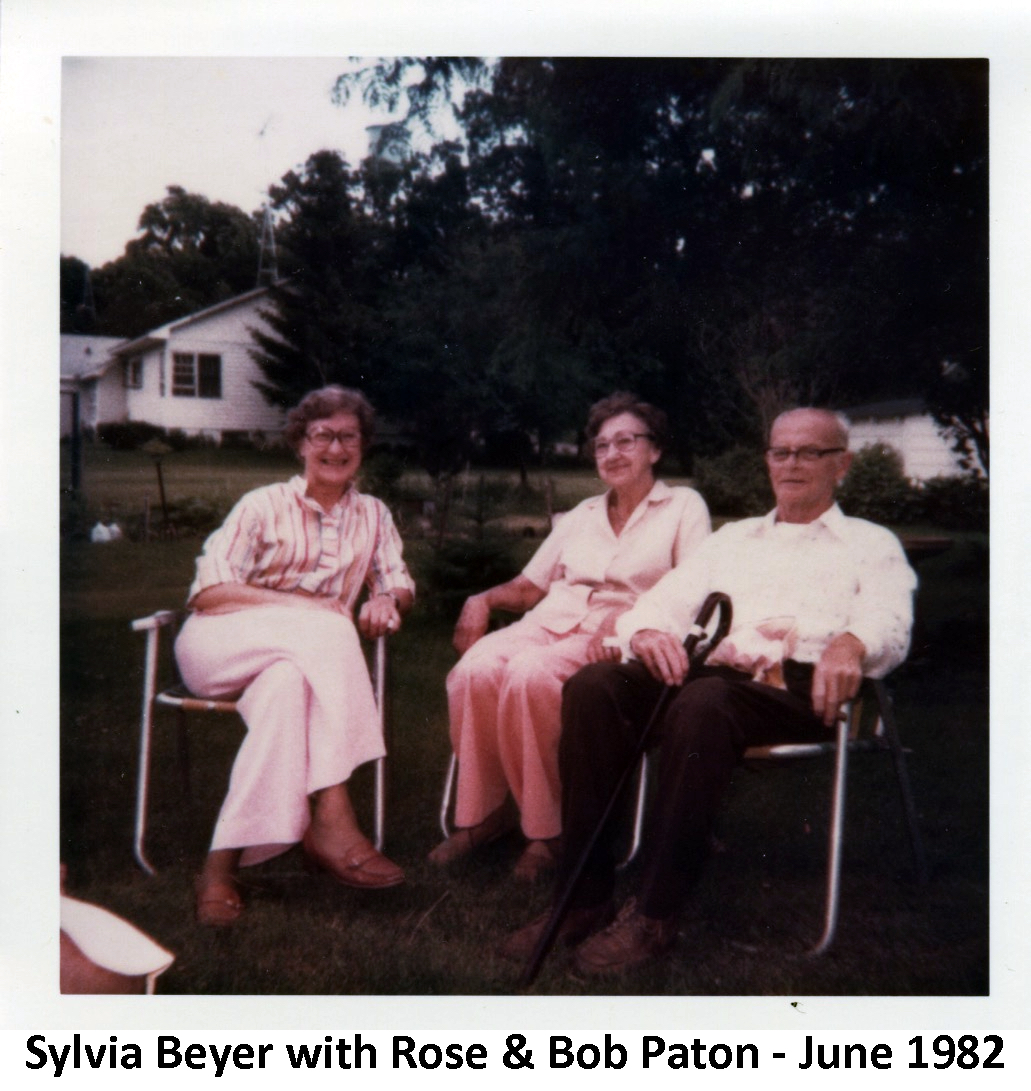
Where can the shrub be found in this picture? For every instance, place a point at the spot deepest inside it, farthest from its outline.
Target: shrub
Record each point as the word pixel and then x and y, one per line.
pixel 489 498
pixel 194 516
pixel 956 503
pixel 178 440
pixel 734 482
pixel 462 567
pixel 877 488
pixel 128 435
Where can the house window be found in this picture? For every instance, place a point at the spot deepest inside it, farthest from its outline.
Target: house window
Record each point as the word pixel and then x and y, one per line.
pixel 133 373
pixel 209 376
pixel 196 376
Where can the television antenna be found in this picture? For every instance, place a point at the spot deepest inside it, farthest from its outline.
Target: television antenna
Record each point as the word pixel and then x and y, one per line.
pixel 268 270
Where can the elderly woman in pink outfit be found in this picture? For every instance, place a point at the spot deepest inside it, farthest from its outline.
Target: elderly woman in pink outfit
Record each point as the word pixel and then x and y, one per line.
pixel 273 622
pixel 504 694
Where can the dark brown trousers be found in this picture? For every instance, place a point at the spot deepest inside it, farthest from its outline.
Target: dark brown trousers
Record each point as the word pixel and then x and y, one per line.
pixel 708 724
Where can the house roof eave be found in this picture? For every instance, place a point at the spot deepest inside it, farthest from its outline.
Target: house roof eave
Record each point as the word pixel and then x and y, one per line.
pixel 154 339
pixel 158 336
pixel 896 409
pixel 215 308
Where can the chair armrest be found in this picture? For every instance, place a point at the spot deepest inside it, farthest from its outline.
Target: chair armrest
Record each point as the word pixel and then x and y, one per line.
pixel 156 620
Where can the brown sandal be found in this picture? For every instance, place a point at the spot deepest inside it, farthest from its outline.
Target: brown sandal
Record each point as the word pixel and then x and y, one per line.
pixel 218 903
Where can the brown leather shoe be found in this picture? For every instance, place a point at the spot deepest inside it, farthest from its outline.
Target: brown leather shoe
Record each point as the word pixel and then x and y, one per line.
pixel 577 924
pixel 360 866
pixel 538 860
pixel 463 841
pixel 631 938
pixel 218 903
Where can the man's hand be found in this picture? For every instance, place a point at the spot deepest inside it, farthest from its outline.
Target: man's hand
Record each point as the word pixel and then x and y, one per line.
pixel 662 654
pixel 837 676
pixel 472 623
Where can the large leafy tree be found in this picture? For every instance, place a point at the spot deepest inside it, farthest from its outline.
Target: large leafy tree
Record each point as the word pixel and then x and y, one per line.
pixel 77 310
pixel 727 237
pixel 189 253
pixel 380 291
pixel 324 311
pixel 881 179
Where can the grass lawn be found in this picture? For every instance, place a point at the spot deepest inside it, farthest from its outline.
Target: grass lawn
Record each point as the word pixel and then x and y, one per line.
pixel 757 909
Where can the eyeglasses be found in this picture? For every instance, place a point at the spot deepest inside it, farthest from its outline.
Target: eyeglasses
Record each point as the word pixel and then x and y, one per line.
pixel 623 444
pixel 803 454
pixel 323 437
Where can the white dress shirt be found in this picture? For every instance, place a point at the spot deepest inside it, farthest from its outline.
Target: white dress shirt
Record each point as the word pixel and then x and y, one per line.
pixel 793 587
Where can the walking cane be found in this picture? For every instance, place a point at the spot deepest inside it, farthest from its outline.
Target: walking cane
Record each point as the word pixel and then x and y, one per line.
pixel 698 645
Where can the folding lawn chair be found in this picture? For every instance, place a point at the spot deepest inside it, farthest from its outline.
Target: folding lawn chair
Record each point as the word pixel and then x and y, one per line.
pixel 177 696
pixel 855 732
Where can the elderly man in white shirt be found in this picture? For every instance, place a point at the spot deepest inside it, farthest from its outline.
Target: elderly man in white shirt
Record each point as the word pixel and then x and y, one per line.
pixel 819 601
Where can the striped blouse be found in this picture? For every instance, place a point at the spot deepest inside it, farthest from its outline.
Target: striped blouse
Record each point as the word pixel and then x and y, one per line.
pixel 279 538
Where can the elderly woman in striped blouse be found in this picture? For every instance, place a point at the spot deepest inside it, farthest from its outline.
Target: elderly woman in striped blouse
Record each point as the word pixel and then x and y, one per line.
pixel 272 620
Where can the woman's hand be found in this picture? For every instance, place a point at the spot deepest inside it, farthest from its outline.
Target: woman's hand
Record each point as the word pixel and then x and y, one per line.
pixel 379 616
pixel 597 651
pixel 472 623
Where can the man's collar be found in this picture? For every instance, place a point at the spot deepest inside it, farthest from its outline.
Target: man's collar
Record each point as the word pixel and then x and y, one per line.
pixel 833 519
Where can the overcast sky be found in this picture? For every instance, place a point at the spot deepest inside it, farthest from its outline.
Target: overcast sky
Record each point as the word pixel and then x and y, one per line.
pixel 130 127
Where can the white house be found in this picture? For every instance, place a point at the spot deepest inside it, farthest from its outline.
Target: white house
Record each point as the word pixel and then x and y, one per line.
pixel 906 426
pixel 86 370
pixel 196 373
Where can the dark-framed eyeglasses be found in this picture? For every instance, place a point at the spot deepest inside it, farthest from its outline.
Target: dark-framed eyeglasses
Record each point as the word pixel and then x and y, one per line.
pixel 323 437
pixel 803 454
pixel 624 444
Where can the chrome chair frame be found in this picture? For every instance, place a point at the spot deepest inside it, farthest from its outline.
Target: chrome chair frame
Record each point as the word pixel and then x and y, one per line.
pixel 178 697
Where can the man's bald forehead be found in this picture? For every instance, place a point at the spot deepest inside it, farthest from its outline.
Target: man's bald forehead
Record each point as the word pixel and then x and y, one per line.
pixel 826 418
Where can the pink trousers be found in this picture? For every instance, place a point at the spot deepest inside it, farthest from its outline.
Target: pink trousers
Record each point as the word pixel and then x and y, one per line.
pixel 504 701
pixel 309 709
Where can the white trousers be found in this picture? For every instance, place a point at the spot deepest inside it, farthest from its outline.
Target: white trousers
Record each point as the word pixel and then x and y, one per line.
pixel 504 703
pixel 307 701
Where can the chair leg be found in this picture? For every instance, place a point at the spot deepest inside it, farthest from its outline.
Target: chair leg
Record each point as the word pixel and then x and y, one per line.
pixel 183 748
pixel 143 769
pixel 891 731
pixel 638 826
pixel 445 803
pixel 379 675
pixel 837 825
